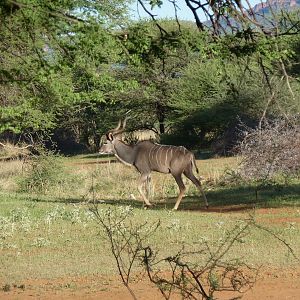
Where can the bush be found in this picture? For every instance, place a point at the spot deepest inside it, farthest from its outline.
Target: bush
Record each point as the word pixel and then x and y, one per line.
pixel 271 151
pixel 45 172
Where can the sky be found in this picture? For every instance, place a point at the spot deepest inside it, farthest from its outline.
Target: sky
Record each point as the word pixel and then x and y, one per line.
pixel 167 10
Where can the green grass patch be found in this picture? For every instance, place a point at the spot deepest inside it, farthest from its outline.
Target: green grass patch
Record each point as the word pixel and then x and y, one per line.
pixel 50 240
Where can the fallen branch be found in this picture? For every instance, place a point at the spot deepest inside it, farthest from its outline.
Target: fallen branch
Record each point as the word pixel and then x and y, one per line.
pixel 18 148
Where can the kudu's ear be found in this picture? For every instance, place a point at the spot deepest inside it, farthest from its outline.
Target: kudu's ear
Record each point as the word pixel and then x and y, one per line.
pixel 110 136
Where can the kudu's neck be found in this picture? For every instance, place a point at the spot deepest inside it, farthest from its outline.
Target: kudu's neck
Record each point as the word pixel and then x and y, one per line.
pixel 123 152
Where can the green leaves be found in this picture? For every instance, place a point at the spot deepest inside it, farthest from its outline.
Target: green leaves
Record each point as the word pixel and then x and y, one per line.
pixel 24 117
pixel 76 66
pixel 56 59
pixel 154 3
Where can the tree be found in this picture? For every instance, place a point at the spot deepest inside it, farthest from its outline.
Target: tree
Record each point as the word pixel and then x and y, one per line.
pixel 155 60
pixel 70 69
pixel 55 62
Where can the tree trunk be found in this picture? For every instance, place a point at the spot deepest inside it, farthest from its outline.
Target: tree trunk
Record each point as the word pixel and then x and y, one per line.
pixel 160 112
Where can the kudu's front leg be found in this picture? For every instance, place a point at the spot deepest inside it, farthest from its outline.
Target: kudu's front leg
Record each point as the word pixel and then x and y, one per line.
pixel 143 179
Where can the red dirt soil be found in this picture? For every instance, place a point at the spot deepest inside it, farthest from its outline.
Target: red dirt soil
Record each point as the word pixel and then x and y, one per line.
pixel 271 284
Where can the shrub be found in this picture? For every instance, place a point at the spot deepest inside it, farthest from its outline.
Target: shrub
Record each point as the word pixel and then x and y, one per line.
pixel 271 151
pixel 45 171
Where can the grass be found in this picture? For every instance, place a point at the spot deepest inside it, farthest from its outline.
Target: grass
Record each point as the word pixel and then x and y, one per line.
pixel 53 234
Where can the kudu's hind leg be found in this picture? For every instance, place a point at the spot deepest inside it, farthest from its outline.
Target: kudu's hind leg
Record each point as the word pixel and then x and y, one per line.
pixel 181 186
pixel 142 181
pixel 189 174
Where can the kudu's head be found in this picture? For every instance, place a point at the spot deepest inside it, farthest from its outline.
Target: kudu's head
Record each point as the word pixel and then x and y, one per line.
pixel 111 137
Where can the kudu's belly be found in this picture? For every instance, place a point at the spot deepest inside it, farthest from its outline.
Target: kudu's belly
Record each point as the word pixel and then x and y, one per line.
pixel 161 169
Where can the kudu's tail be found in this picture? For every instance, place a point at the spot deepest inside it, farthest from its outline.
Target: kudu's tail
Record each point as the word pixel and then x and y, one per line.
pixel 200 187
pixel 194 164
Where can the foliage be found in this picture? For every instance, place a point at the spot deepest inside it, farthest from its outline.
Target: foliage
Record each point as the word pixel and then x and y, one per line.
pixel 229 17
pixel 193 88
pixel 69 69
pixel 55 62
pixel 154 60
pixel 203 109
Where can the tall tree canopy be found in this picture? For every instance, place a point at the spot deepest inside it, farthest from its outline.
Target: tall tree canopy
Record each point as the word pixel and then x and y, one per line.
pixel 69 69
pixel 55 61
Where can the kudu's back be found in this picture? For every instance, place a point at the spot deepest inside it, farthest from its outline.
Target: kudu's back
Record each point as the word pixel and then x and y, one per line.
pixel 162 158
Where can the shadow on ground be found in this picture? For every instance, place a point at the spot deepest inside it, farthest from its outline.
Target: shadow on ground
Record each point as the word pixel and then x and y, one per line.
pixel 227 199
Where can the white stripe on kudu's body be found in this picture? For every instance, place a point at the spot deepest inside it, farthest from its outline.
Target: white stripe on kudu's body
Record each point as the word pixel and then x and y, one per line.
pixel 150 159
pixel 146 157
pixel 157 154
pixel 167 156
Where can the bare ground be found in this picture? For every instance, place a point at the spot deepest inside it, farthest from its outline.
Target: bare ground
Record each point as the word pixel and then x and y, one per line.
pixel 271 284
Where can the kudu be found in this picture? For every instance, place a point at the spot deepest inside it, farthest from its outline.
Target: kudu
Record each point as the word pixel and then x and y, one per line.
pixel 147 156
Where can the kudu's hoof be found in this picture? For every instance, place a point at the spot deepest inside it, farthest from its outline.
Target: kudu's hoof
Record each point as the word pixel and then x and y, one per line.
pixel 146 206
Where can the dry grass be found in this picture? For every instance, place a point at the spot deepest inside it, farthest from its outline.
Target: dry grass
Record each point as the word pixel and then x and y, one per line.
pixel 85 178
pixel 9 172
pixel 105 181
pixel 11 151
pixel 213 169
pixel 12 165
